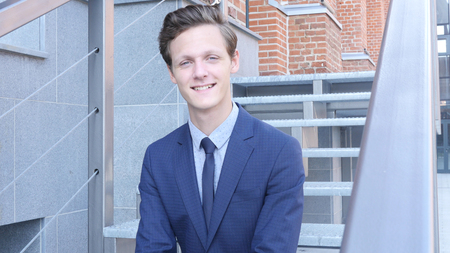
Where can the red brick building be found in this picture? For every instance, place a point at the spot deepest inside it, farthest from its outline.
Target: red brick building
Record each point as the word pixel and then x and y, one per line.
pixel 314 36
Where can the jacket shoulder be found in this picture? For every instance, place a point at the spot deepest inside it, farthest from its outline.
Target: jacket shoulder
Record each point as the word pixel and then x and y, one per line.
pixel 168 141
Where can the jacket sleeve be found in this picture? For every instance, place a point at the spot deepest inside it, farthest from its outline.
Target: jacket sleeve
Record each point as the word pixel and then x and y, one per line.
pixel 278 226
pixel 154 233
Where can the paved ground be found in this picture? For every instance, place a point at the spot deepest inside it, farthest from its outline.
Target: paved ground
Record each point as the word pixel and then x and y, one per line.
pixel 444 212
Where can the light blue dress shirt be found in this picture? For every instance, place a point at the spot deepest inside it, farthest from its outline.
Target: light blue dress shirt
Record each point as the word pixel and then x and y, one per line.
pixel 220 137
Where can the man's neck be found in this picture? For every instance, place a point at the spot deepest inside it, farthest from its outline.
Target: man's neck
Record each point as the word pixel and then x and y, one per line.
pixel 208 120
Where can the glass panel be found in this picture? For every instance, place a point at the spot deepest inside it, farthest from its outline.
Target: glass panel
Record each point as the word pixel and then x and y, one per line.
pixel 440 138
pixel 444 66
pixel 442 11
pixel 442 46
pixel 444 84
pixel 448 135
pixel 440 159
pixel 443 29
pixel 445 111
pixel 440 30
pixel 444 80
pixel 448 162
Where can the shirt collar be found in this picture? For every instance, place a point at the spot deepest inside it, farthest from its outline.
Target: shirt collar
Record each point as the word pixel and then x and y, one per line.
pixel 220 135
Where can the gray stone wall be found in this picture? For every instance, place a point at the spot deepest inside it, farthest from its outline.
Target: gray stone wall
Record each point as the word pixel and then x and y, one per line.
pixel 141 114
pixel 147 107
pixel 35 126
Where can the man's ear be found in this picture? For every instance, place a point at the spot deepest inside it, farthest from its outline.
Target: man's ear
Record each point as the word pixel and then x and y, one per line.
pixel 235 62
pixel 172 77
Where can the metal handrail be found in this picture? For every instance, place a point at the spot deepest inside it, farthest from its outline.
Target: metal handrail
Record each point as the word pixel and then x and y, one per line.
pixel 393 203
pixel 14 14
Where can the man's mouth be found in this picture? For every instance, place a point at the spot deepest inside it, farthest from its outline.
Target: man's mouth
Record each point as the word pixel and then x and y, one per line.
pixel 203 87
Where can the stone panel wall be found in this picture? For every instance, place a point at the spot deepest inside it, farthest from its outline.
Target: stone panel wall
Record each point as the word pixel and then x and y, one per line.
pixel 50 177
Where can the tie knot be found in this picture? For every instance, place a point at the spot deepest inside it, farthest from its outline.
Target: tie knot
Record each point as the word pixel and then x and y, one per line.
pixel 208 145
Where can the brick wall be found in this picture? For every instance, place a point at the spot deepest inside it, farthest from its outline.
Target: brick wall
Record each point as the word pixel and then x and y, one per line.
pixel 375 27
pixel 352 15
pixel 314 44
pixel 357 65
pixel 271 24
pixel 236 10
pixel 386 8
pixel 305 44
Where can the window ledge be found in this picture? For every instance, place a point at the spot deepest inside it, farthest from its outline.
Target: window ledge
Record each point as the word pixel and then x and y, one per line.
pixel 305 9
pixel 356 56
pixel 24 51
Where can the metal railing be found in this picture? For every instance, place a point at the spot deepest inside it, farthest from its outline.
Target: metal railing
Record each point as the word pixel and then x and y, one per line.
pixel 393 203
pixel 100 96
pixel 14 14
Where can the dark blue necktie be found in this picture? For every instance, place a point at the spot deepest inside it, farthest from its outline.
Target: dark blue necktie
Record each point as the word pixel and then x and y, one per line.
pixel 208 179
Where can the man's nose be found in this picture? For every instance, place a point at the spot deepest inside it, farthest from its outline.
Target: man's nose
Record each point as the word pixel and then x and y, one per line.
pixel 200 70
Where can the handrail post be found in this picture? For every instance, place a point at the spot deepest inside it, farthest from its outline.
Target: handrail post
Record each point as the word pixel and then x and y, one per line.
pixel 101 126
pixel 393 204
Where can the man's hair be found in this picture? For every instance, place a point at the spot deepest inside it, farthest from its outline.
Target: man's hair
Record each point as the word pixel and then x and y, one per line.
pixel 191 16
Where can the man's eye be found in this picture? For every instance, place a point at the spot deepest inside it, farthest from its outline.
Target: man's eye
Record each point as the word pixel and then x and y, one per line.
pixel 184 63
pixel 213 58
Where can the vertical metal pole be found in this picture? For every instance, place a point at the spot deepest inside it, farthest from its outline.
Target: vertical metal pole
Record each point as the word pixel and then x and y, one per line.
pixel 247 13
pixel 101 92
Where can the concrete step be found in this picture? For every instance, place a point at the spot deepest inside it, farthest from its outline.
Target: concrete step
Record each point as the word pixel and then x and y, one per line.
pixel 317 235
pixel 321 235
pixel 360 121
pixel 313 189
pixel 330 152
pixel 327 188
pixel 317 250
pixel 126 230
pixel 357 96
pixel 312 235
pixel 332 78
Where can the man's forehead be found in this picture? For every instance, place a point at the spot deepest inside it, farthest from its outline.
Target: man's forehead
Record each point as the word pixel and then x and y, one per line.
pixel 205 39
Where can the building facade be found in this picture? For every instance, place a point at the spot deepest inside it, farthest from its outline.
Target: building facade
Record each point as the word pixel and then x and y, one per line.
pixel 314 36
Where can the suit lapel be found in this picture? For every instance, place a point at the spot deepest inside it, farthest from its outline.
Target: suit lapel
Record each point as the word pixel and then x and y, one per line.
pixel 187 184
pixel 237 155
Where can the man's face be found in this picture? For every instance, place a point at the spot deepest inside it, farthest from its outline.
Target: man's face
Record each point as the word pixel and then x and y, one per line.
pixel 201 68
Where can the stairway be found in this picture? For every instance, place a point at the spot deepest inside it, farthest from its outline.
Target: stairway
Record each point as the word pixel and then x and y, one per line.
pixel 314 109
pixel 303 106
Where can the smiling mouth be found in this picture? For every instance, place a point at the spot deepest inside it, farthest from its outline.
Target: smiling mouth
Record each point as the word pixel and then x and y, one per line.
pixel 203 87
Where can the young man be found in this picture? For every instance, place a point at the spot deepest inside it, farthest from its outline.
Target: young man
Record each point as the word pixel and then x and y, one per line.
pixel 225 181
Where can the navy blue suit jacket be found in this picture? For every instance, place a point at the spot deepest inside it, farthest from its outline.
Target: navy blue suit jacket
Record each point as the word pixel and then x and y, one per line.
pixel 258 204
